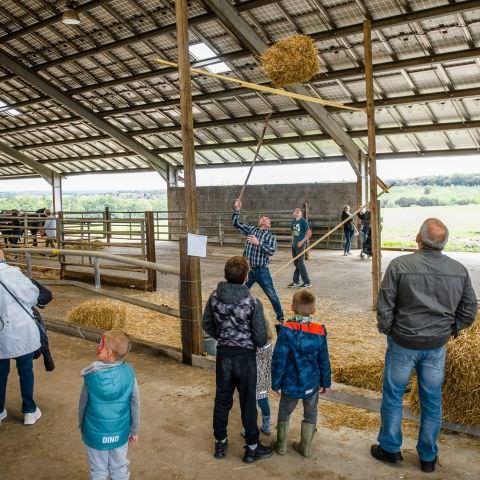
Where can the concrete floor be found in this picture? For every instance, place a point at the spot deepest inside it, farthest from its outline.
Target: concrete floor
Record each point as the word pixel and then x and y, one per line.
pixel 175 437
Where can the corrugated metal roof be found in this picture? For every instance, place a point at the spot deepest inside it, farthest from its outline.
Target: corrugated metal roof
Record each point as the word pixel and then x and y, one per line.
pixel 427 82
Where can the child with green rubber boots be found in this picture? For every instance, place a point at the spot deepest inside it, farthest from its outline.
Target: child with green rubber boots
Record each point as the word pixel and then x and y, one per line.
pixel 300 371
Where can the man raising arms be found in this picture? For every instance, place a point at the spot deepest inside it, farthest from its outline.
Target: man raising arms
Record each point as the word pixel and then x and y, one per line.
pixel 261 245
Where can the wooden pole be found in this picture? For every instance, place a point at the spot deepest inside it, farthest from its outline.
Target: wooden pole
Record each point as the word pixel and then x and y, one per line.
pixel 190 283
pixel 151 253
pixel 372 161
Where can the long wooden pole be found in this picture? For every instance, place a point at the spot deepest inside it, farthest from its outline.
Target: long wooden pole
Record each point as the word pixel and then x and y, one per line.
pixel 372 162
pixel 259 144
pixel 191 297
pixel 263 88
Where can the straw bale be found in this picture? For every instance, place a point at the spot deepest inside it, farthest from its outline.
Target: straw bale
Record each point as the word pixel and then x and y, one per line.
pixel 291 60
pixel 104 315
pixel 461 387
pixel 361 375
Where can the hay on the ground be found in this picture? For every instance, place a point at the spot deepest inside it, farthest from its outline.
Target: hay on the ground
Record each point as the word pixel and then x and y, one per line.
pixel 103 315
pixel 461 388
pixel 361 375
pixel 291 60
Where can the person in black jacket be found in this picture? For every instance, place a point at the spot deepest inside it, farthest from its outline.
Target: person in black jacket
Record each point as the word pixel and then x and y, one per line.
pixel 348 230
pixel 235 319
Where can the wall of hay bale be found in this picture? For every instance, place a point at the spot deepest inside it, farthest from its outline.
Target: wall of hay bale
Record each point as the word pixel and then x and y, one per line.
pixel 325 202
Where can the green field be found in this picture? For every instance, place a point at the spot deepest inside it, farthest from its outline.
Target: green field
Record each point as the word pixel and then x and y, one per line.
pixel 400 225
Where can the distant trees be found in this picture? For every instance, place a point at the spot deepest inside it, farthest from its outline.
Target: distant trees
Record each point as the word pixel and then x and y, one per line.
pixel 468 180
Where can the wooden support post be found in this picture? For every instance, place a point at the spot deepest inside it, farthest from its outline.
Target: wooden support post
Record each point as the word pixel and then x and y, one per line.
pixel 108 224
pixel 372 161
pixel 151 254
pixel 61 242
pixel 305 216
pixel 190 284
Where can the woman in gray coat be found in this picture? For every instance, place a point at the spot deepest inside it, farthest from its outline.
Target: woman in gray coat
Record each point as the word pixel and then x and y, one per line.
pixel 19 336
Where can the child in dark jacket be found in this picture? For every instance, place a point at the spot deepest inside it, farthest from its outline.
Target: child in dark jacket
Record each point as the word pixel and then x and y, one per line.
pixel 300 370
pixel 109 408
pixel 235 319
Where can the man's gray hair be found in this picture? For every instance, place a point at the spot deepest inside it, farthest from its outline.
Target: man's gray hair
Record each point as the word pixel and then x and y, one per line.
pixel 434 234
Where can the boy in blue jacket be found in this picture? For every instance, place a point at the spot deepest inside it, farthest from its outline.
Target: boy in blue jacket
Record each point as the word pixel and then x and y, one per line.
pixel 109 408
pixel 300 370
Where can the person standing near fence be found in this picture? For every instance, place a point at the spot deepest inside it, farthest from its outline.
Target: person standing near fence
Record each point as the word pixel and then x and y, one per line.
pixel 261 245
pixel 348 230
pixel 50 229
pixel 301 232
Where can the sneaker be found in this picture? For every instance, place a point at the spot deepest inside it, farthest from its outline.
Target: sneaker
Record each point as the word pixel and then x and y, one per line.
pixel 428 466
pixel 350 253
pixel 3 415
pixel 32 418
pixel 306 285
pixel 380 454
pixel 293 285
pixel 345 254
pixel 221 449
pixel 259 453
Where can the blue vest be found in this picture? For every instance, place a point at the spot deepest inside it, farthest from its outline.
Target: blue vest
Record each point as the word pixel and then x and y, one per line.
pixel 106 422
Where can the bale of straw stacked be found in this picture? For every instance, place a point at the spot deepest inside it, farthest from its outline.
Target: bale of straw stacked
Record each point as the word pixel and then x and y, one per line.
pixel 103 315
pixel 360 375
pixel 291 60
pixel 461 388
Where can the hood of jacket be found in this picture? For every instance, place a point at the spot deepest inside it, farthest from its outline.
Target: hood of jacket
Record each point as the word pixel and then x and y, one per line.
pixel 232 292
pixel 107 380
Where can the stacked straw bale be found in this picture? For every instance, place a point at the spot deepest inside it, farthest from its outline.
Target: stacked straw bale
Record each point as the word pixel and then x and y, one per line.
pixel 360 375
pixel 291 60
pixel 103 315
pixel 461 388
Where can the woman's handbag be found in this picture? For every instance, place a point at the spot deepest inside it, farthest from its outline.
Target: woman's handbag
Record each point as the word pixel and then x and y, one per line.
pixel 37 318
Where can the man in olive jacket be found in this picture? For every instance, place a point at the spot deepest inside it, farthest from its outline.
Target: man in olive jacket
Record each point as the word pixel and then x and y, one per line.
pixel 424 299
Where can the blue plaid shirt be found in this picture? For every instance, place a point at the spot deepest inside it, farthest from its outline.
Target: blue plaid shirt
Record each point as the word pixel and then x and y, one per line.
pixel 257 255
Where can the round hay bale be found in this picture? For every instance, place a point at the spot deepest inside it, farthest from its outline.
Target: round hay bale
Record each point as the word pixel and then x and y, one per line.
pixel 461 387
pixel 103 315
pixel 291 60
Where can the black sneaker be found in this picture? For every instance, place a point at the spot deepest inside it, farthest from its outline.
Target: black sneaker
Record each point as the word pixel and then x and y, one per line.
pixel 221 449
pixel 428 466
pixel 259 453
pixel 306 285
pixel 380 454
pixel 293 285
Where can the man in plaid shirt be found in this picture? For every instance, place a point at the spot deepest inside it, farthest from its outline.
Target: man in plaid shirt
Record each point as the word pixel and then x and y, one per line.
pixel 261 245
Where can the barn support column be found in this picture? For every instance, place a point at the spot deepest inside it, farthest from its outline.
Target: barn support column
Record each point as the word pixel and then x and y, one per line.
pixel 372 162
pixel 190 284
pixel 57 192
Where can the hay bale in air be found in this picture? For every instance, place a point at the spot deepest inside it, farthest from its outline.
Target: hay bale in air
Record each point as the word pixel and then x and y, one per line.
pixel 461 388
pixel 102 315
pixel 291 60
pixel 360 375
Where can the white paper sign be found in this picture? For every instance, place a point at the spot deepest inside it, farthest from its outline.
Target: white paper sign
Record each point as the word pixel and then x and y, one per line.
pixel 196 245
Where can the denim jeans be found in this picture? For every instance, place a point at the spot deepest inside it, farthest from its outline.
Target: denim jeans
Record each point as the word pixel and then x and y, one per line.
pixel 300 268
pixel 25 372
pixel 399 364
pixel 264 279
pixel 264 406
pixel 364 230
pixel 348 240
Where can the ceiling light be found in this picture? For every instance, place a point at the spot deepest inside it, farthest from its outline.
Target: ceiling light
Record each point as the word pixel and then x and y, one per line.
pixel 70 17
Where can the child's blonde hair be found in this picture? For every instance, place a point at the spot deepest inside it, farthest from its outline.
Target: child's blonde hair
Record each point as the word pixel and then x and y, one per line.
pixel 303 302
pixel 118 342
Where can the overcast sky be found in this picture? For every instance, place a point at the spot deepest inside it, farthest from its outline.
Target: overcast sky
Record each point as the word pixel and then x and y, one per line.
pixel 302 173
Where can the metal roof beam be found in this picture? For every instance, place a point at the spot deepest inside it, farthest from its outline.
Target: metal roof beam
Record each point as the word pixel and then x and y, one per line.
pixel 45 172
pixel 47 88
pixel 232 20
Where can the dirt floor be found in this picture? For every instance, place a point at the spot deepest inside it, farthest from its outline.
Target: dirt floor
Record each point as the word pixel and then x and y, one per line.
pixel 175 438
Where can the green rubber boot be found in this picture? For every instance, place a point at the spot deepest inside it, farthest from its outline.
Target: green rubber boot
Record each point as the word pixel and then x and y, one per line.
pixel 304 447
pixel 280 445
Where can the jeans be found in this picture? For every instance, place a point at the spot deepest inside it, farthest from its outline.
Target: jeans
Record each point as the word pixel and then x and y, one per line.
pixel 287 406
pixel 25 372
pixel 364 230
pixel 429 365
pixel 236 371
pixel 348 239
pixel 262 276
pixel 264 406
pixel 300 268
pixel 108 462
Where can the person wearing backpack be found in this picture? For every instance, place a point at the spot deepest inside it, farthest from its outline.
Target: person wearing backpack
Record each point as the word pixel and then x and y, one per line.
pixel 19 337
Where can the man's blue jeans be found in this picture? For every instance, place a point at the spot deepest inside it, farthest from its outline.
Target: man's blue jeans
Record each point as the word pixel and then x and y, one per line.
pixel 25 372
pixel 348 239
pixel 264 279
pixel 399 364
